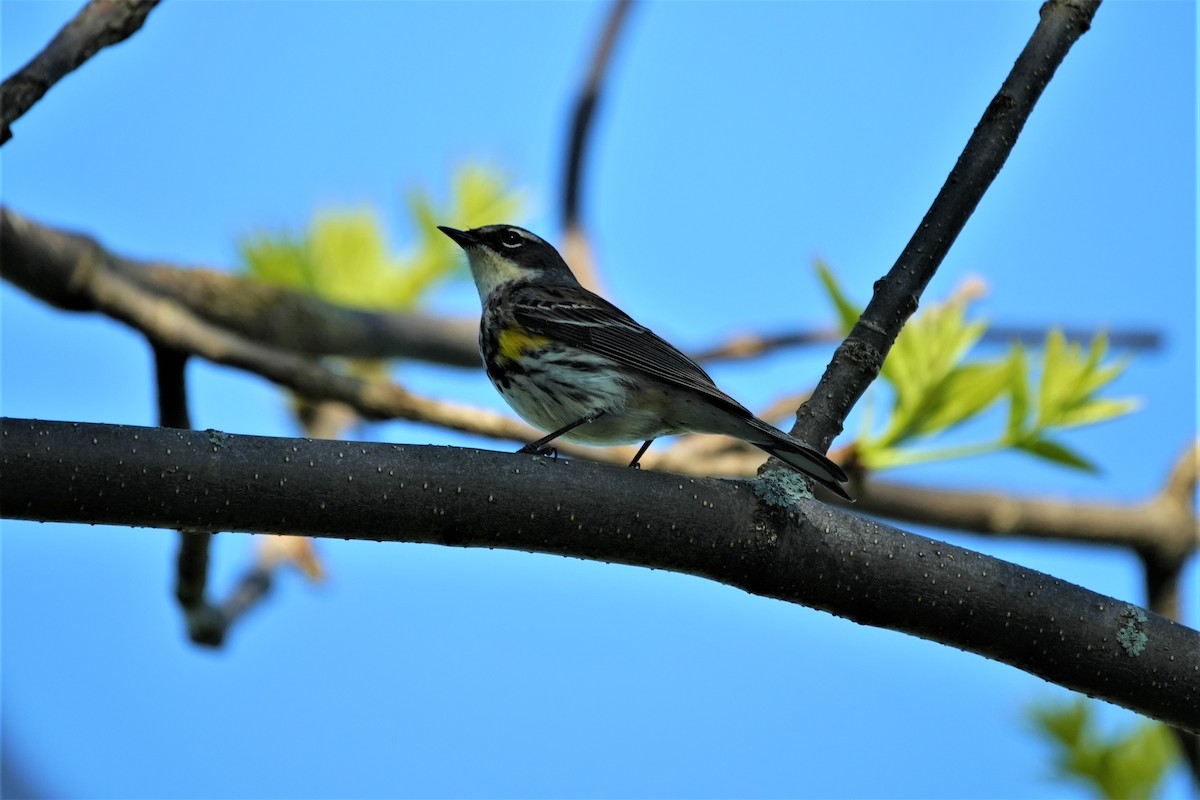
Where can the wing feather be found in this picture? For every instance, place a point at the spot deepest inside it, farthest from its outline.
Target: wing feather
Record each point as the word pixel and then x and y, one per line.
pixel 579 318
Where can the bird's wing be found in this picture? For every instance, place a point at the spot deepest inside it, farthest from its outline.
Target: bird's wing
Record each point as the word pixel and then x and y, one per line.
pixel 579 318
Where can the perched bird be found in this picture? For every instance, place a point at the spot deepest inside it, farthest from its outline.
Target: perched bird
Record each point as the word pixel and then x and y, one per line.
pixel 573 364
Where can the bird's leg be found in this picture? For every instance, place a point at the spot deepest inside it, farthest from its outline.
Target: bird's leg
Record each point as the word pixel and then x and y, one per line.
pixel 539 447
pixel 641 452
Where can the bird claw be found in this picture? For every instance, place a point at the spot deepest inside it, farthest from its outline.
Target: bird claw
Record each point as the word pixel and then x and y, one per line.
pixel 547 451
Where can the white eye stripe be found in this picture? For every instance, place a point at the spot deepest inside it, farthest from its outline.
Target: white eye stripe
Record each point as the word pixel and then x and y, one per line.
pixel 512 238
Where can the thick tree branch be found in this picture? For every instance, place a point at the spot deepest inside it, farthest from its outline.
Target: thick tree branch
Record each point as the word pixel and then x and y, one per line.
pixel 99 24
pixel 56 267
pixel 720 530
pixel 858 359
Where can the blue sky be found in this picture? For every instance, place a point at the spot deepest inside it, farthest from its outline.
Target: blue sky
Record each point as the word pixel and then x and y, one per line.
pixel 736 143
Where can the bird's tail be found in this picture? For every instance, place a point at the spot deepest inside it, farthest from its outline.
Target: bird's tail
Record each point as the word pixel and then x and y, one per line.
pixel 791 451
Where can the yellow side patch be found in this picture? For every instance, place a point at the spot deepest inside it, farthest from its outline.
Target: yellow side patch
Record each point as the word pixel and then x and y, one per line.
pixel 514 343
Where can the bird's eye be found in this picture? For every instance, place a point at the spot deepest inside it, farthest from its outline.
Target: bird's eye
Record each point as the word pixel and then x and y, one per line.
pixel 511 239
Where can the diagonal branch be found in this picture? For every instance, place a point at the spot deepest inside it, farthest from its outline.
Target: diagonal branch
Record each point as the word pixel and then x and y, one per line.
pixel 99 24
pixel 858 359
pixel 585 107
pixel 808 553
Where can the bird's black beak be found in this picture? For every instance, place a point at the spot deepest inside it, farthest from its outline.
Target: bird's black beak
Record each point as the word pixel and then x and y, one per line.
pixel 464 239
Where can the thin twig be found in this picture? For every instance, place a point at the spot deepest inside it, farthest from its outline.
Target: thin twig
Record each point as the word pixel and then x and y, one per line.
pixel 98 24
pixel 576 248
pixel 744 346
pixel 585 107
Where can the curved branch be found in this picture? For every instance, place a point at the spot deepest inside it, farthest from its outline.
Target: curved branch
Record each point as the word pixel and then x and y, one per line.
pixel 575 245
pixel 99 24
pixel 1181 484
pixel 808 553
pixel 57 266
pixel 858 359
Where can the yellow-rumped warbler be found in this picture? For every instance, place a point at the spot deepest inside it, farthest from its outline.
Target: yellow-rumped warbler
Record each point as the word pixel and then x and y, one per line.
pixel 573 364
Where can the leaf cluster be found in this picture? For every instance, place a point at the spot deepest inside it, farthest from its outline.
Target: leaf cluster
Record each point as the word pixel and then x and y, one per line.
pixel 1125 764
pixel 344 258
pixel 938 383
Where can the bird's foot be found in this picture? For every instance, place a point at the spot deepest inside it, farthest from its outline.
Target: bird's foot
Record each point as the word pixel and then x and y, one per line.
pixel 540 450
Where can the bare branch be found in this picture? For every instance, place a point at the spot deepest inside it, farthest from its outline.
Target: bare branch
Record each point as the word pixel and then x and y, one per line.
pixel 744 346
pixel 99 24
pixel 858 359
pixel 1181 484
pixel 1122 339
pixel 54 266
pixel 1145 525
pixel 808 553
pixel 576 249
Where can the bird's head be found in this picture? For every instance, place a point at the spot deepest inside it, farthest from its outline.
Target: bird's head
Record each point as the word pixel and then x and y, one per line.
pixel 500 254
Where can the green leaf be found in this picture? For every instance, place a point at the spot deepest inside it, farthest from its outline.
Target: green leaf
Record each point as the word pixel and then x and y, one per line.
pixel 1119 765
pixel 1059 378
pixel 1097 410
pixel 1065 723
pixel 1097 377
pixel 1070 382
pixel 1018 393
pixel 344 256
pixel 848 313
pixel 922 368
pixel 349 259
pixel 890 457
pixel 1097 351
pixel 1058 453
pixel 965 392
